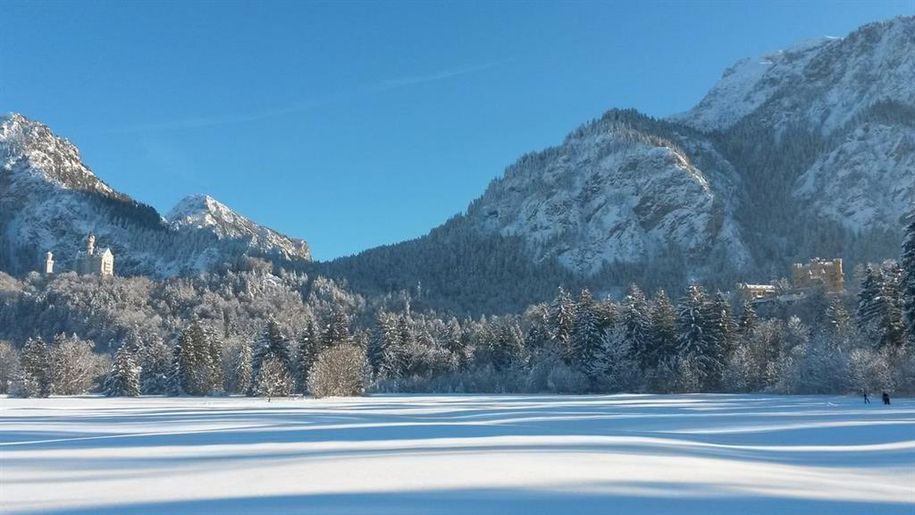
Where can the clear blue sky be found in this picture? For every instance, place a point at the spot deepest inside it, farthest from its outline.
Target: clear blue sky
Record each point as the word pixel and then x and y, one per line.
pixel 354 124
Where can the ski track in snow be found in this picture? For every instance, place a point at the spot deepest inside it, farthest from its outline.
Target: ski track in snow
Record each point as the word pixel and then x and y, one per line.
pixel 443 454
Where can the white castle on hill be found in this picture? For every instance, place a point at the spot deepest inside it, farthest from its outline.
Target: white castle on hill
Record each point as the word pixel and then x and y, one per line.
pixel 91 261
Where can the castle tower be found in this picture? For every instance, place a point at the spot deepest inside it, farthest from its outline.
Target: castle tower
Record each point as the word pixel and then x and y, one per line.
pixel 49 263
pixel 90 244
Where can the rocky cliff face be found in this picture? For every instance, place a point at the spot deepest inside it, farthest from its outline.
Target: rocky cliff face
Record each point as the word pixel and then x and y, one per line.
pixel 623 189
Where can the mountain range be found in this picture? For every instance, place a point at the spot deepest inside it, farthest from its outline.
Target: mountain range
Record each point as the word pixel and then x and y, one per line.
pixel 808 151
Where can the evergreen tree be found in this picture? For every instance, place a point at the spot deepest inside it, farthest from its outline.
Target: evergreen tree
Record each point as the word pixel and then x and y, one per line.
pixel 214 358
pixel 868 311
pixel 562 319
pixel 124 378
pixel 698 339
pixel 908 281
pixel 538 327
pixel 454 342
pixel 880 306
pixel 839 323
pixel 663 331
pixel 242 373
pixel 505 343
pixel 383 337
pixel 722 338
pixel 337 330
pixel 196 366
pixel 155 361
pixel 309 349
pixel 748 318
pixel 587 338
pixel 271 345
pixel 637 327
pixel 35 373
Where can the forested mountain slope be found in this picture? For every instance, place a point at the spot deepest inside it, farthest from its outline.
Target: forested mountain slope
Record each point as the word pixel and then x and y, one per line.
pixel 804 152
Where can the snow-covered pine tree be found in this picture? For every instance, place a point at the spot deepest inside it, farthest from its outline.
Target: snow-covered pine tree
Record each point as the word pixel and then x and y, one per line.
pixel 34 378
pixel 337 330
pixel 893 324
pixel 908 280
pixel 155 360
pixel 214 346
pixel 637 327
pixel 696 343
pixel 193 367
pixel 242 374
pixel 382 337
pixel 839 324
pixel 562 318
pixel 587 339
pixel 723 337
pixel 748 318
pixel 868 311
pixel 124 378
pixel 505 343
pixel 453 341
pixel 272 343
pixel 880 306
pixel 620 372
pixel 663 330
pixel 309 349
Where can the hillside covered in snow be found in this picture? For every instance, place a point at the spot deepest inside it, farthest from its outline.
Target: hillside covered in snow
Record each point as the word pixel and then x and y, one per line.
pixel 804 152
pixel 50 201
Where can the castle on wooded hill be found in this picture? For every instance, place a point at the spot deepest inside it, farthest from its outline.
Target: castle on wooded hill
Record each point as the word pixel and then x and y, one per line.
pixel 820 272
pixel 91 261
pixel 817 273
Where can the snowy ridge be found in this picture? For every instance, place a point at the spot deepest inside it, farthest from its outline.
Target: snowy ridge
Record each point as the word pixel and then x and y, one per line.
pixel 30 151
pixel 823 83
pixel 205 212
pixel 50 200
pixel 747 85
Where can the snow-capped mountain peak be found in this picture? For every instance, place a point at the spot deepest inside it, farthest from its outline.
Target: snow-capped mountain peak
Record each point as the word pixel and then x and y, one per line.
pixel 822 83
pixel 29 150
pixel 201 211
pixel 204 212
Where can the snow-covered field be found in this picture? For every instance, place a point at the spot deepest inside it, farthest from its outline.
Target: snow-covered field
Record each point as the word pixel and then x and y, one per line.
pixel 741 454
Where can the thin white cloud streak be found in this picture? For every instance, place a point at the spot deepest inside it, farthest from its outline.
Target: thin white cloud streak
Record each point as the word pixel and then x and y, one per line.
pixel 435 77
pixel 299 107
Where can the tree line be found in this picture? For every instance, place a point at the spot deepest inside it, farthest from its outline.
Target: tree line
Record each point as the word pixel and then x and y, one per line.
pixel 319 340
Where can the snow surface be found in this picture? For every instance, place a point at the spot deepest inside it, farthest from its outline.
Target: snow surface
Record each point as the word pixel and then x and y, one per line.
pixel 679 454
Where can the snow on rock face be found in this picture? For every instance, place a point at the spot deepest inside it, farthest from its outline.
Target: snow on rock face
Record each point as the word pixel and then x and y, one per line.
pixel 609 194
pixel 205 212
pixel 30 151
pixel 867 181
pixel 823 84
pixel 50 201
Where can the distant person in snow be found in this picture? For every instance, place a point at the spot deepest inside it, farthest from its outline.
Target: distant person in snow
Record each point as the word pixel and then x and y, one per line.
pixel 866 400
pixel 886 398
